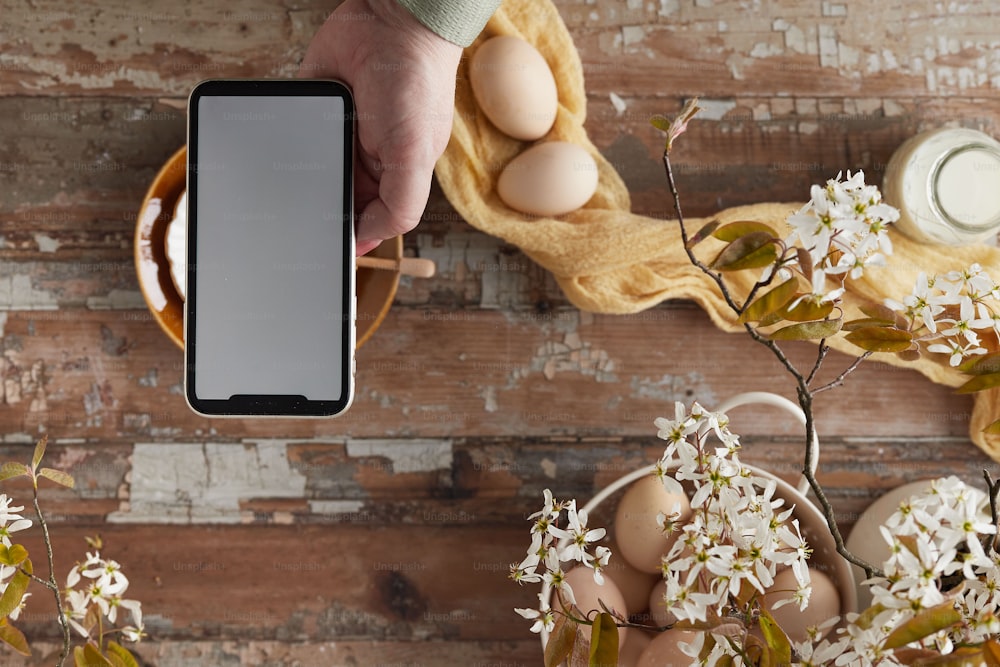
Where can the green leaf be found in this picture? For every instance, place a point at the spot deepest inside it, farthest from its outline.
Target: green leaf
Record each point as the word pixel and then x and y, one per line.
pixel 560 642
pixel 121 656
pixel 92 657
pixel 881 312
pixel 735 230
pixel 923 625
pixel 58 476
pixel 881 339
pixel 39 452
pixel 807 330
pixel 15 591
pixel 982 365
pixel 993 429
pixel 979 383
pixel 862 322
pixel 752 251
pixel 661 123
pixel 771 302
pixel 966 656
pixel 775 637
pixel 14 638
pixel 13 469
pixel 14 555
pixel 808 310
pixel 703 233
pixel 28 567
pixel 991 653
pixel 604 641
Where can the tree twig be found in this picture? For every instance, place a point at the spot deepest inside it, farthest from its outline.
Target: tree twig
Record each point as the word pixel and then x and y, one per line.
pixel 52 584
pixel 805 395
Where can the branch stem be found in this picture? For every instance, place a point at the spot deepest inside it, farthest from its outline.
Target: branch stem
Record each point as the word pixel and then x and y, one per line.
pixel 805 395
pixel 52 584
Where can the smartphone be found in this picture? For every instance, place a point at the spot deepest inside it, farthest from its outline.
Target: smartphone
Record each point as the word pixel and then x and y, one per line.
pixel 269 319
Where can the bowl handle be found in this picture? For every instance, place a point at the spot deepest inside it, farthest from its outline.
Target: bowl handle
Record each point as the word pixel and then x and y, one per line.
pixel 774 400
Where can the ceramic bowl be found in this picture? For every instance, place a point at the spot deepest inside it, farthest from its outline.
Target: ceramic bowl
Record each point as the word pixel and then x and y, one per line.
pixel 811 520
pixel 376 288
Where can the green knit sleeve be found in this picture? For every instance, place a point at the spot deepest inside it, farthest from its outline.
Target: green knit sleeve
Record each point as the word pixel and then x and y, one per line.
pixel 458 21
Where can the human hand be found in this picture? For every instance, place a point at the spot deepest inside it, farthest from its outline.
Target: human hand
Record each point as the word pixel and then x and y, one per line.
pixel 403 78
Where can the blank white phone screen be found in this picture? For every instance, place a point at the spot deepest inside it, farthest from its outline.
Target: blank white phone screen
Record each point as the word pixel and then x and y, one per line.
pixel 270 245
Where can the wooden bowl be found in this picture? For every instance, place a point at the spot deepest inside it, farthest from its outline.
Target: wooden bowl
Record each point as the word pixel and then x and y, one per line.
pixel 375 288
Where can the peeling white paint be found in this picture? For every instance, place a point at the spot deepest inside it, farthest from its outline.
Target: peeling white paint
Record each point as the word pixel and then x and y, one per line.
pixel 549 468
pixel 618 103
pixel 633 34
pixel 117 299
pixel 714 109
pixel 489 396
pixel 17 293
pixel 3 322
pixel 669 7
pixel 336 507
pixel 420 455
pixel 46 243
pixel 205 483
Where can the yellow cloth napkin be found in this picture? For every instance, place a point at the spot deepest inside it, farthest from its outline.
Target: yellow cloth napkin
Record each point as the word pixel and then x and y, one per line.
pixel 610 260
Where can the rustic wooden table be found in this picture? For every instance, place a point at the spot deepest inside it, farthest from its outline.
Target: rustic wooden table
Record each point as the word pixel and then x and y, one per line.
pixel 384 538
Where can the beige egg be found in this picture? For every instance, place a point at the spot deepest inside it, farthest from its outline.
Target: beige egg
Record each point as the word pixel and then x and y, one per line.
pixel 587 593
pixel 658 614
pixel 633 584
pixel 631 651
pixel 664 651
pixel 514 87
pixel 824 603
pixel 639 537
pixel 549 179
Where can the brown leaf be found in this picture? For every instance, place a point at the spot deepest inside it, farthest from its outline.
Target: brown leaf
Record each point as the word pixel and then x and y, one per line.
pixel 979 383
pixel 561 641
pixel 604 641
pixel 807 330
pixel 735 230
pixel 808 310
pixel 881 339
pixel 771 302
pixel 703 233
pixel 751 251
pixel 14 638
pixel 923 625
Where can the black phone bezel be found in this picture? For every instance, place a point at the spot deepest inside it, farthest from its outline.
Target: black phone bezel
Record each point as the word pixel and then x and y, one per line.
pixel 269 405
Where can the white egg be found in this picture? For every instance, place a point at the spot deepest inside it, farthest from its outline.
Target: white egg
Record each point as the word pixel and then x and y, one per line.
pixel 514 87
pixel 549 179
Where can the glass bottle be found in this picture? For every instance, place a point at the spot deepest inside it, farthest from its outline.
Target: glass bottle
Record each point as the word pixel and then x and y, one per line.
pixel 946 185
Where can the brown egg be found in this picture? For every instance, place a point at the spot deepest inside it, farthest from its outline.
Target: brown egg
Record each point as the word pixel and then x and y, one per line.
pixel 664 651
pixel 633 584
pixel 587 593
pixel 639 537
pixel 824 603
pixel 514 87
pixel 631 651
pixel 551 178
pixel 658 614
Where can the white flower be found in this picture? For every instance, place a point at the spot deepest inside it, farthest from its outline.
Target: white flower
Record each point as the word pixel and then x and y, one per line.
pixel 544 618
pixel 578 535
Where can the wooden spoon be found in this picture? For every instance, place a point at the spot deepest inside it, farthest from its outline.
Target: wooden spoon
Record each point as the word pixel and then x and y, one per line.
pixel 407 266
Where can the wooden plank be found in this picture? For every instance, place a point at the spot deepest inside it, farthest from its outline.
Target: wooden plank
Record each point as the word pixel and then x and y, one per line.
pixel 429 482
pixel 447 373
pixel 715 49
pixel 297 653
